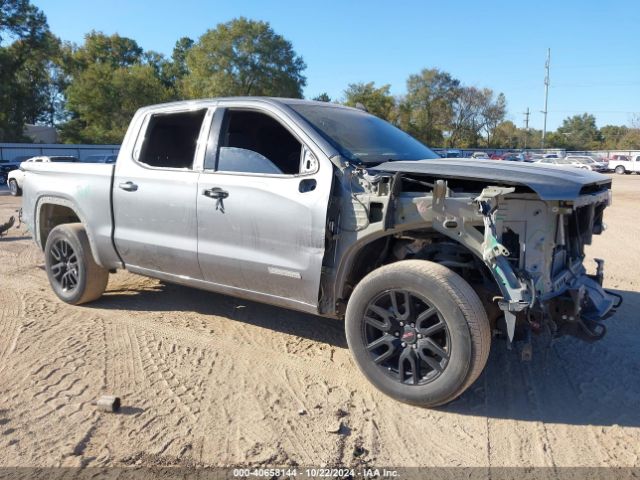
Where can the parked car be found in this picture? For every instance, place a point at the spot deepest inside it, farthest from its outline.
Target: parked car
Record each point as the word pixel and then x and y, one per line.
pixel 452 154
pixel 624 166
pixel 562 162
pixel 480 155
pixel 15 178
pixel 101 158
pixel 420 255
pixel 509 156
pixel 622 158
pixel 588 163
pixel 5 167
pixel 513 157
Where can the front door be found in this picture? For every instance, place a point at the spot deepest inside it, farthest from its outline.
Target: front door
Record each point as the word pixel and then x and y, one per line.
pixel 262 205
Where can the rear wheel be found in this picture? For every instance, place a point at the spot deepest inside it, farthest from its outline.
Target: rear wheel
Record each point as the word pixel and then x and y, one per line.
pixel 620 170
pixel 418 332
pixel 73 273
pixel 15 190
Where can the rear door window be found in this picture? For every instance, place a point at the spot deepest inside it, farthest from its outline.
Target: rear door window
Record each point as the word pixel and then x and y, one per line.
pixel 171 139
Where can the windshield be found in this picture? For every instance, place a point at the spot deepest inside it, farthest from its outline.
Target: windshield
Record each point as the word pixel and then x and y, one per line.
pixel 362 137
pixel 585 160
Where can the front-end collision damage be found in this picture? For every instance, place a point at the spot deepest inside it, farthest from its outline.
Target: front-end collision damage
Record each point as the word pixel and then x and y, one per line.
pixel 543 281
pixel 520 247
pixel 516 295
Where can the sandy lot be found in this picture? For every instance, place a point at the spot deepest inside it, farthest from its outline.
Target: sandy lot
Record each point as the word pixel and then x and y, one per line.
pixel 211 380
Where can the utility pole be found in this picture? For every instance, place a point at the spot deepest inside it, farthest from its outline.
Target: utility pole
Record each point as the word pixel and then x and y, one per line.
pixel 526 127
pixel 546 94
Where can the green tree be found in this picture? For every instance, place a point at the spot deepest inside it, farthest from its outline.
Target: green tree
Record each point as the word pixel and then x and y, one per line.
pixel 476 113
pixel 612 135
pixel 27 52
pixel 21 20
pixel 630 140
pixel 426 111
pixel 173 70
pixel 323 97
pixel 466 120
pixel 377 101
pixel 112 50
pixel 580 133
pixel 108 79
pixel 103 100
pixel 507 135
pixel 493 114
pixel 243 57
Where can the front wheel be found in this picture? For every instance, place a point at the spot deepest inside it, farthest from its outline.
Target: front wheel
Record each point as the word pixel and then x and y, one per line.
pixel 73 273
pixel 620 170
pixel 15 190
pixel 418 332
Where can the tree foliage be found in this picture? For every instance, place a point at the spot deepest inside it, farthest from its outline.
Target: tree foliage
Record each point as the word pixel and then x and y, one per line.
pixel 103 100
pixel 579 132
pixel 243 57
pixel 323 97
pixel 109 78
pixel 91 90
pixel 377 101
pixel 426 111
pixel 26 63
pixel 21 20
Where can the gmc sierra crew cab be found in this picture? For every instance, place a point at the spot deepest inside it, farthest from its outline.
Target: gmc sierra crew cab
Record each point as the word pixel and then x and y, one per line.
pixel 330 210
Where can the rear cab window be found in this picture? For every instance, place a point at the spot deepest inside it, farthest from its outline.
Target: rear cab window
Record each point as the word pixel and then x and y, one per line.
pixel 170 139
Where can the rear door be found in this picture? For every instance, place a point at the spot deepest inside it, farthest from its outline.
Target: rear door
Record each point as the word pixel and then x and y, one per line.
pixel 262 206
pixel 154 195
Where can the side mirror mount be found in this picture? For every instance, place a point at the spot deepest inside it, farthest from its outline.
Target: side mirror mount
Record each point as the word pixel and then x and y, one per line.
pixel 309 162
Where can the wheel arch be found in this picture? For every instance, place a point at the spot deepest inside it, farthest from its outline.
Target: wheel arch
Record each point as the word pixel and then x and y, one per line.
pixel 53 211
pixel 382 247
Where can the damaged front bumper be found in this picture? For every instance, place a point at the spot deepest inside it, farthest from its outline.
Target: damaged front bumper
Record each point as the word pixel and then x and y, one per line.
pixel 541 274
pixel 582 306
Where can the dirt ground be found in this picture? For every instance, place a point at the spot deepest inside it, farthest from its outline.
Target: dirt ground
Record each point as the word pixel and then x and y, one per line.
pixel 215 381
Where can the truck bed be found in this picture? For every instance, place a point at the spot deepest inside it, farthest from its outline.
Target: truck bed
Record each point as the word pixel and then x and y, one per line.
pixel 84 188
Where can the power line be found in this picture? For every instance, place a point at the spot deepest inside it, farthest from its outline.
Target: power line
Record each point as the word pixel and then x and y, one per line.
pixel 596 84
pixel 592 111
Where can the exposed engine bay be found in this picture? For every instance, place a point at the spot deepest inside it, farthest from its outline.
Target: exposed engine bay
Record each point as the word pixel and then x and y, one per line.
pixel 522 250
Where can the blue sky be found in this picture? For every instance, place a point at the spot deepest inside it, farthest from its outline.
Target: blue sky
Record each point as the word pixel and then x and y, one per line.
pixel 595 45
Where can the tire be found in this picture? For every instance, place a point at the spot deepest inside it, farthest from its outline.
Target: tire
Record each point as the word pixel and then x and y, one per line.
pixel 620 170
pixel 14 189
pixel 458 328
pixel 73 273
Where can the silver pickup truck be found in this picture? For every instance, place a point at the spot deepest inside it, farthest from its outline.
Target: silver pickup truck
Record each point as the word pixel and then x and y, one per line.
pixel 327 209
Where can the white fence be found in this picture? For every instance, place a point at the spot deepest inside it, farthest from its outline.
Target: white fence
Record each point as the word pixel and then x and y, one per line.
pixel 22 151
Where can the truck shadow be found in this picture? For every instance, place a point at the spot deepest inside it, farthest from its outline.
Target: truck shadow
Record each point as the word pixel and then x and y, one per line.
pixel 569 382
pixel 171 297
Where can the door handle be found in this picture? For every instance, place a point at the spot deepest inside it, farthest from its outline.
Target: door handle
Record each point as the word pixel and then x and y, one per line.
pixel 307 185
pixel 128 186
pixel 216 193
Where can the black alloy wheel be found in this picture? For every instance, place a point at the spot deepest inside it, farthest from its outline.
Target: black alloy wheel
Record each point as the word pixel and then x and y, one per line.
pixel 64 265
pixel 406 337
